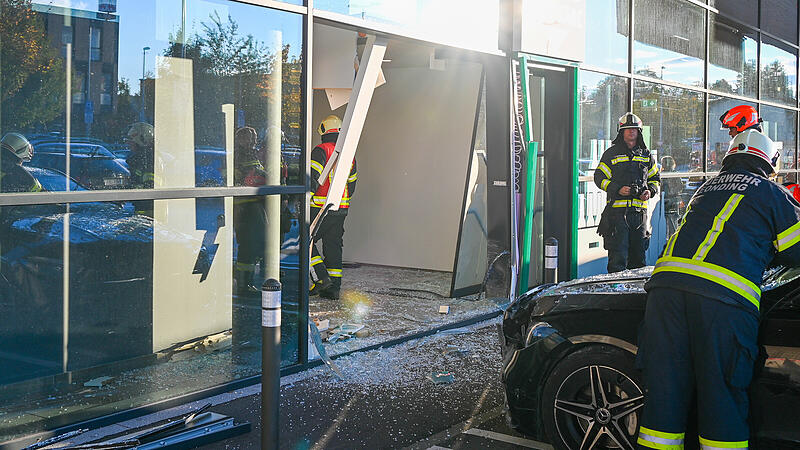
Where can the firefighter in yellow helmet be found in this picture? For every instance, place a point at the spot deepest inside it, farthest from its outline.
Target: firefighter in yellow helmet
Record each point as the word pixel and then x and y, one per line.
pixel 327 266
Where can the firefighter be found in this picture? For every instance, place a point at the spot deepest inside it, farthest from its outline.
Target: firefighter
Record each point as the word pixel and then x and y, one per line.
pixel 140 140
pixel 250 214
pixel 16 149
pixel 328 266
pixel 630 177
pixel 702 315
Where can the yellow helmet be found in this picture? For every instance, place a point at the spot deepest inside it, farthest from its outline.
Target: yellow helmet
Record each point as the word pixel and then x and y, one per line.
pixel 331 124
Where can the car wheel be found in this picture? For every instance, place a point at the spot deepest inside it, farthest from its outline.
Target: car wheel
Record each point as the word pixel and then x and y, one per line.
pixel 593 399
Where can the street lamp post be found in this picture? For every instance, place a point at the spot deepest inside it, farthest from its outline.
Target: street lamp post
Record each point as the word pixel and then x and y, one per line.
pixel 141 87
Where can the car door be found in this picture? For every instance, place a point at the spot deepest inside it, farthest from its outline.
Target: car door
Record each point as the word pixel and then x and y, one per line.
pixel 776 389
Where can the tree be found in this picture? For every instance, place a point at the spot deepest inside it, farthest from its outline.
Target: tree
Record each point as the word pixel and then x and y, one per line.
pixel 33 77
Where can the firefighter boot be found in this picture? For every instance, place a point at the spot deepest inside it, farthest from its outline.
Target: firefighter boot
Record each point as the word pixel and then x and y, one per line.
pixel 332 292
pixel 320 286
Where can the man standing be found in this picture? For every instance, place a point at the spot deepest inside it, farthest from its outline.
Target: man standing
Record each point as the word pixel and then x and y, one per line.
pixel 249 213
pixel 701 321
pixel 16 149
pixel 328 268
pixel 140 160
pixel 630 177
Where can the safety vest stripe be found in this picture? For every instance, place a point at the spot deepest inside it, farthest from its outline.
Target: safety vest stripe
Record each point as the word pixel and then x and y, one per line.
pixel 653 171
pixel 671 243
pixel 788 238
pixel 629 203
pixel 316 260
pixel 604 184
pixel 713 445
pixel 353 177
pixel 317 166
pixel 711 272
pixel 335 273
pixel 716 229
pixel 660 444
pixel 605 169
pixel 619 159
pixel 641 159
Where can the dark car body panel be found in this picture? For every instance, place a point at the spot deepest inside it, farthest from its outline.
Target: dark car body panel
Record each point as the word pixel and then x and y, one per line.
pixel 608 309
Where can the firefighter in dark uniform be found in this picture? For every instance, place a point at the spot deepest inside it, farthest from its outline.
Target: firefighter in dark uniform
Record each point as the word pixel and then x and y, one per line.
pixel 14 150
pixel 328 266
pixel 250 214
pixel 701 321
pixel 630 177
pixel 140 139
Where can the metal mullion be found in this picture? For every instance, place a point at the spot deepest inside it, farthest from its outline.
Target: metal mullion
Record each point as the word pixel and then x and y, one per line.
pixel 273 4
pixel 631 7
pixel 781 40
pixel 38 198
pixel 758 63
pixel 706 96
pixel 305 216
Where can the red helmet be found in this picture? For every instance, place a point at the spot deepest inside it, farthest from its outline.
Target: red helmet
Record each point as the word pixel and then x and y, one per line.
pixel 794 188
pixel 739 118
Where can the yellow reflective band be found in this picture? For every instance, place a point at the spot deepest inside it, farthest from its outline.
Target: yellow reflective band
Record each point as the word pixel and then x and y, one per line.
pixel 713 273
pixel 788 238
pixel 657 184
pixel 604 184
pixel 620 204
pixel 653 171
pixel 671 242
pixel 318 200
pixel 636 203
pixel 641 159
pixel 716 229
pixel 353 177
pixel 317 166
pixel 708 444
pixel 604 168
pixel 659 439
pixel 316 260
pixel 335 273
pixel 619 159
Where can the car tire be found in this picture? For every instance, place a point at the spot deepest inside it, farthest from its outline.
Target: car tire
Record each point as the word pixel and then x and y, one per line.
pixel 593 398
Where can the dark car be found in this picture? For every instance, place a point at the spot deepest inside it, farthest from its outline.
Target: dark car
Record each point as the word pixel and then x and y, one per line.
pixel 569 372
pixel 91 164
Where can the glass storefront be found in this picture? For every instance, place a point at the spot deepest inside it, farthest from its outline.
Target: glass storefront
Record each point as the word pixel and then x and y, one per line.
pixel 778 74
pixel 116 301
pixel 607 31
pixel 733 58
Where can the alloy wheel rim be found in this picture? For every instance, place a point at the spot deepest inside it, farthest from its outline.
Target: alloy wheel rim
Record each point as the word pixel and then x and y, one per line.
pixel 596 406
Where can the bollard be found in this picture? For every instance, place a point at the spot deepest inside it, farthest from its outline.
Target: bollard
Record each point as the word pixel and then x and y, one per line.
pixel 270 362
pixel 551 260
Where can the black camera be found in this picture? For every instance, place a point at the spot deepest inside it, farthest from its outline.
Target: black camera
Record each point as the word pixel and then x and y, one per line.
pixel 637 190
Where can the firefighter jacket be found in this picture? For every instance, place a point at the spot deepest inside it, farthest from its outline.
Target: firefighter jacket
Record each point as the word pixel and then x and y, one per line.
pixel 14 177
pixel 736 224
pixel 140 164
pixel 319 158
pixel 621 166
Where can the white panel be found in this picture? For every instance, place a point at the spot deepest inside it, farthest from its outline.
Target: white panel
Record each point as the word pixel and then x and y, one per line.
pixel 184 307
pixel 551 28
pixel 334 50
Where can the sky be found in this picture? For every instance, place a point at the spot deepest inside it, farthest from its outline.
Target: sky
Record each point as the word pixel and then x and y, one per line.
pixel 138 29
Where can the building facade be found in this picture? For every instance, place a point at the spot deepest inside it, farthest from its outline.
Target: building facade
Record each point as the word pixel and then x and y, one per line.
pixel 132 280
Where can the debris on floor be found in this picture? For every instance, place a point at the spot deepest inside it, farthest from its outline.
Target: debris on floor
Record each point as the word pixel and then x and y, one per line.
pixel 444 309
pixel 98 382
pixel 442 377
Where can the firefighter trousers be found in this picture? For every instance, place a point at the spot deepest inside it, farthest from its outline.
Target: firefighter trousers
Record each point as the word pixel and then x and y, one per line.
pixel 331 231
pixel 628 242
pixel 695 347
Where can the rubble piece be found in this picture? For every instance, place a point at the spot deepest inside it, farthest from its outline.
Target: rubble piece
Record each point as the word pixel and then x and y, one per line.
pixel 362 333
pixel 336 337
pixel 215 342
pixel 322 325
pixel 350 328
pixel 442 377
pixel 317 340
pixel 455 351
pixel 98 382
pixel 444 309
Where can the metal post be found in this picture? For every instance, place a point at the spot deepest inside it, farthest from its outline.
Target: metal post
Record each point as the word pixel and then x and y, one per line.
pixel 270 362
pixel 551 260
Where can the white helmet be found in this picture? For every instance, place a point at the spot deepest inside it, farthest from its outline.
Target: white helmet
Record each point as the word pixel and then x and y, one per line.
pixel 18 145
pixel 752 142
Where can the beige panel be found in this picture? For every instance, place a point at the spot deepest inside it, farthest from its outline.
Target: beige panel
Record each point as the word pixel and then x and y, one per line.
pixel 183 306
pixel 549 28
pixel 412 167
pixel 334 50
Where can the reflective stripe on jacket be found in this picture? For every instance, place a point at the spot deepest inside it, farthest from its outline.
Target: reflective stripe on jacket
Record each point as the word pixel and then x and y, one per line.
pixel 621 166
pixel 736 224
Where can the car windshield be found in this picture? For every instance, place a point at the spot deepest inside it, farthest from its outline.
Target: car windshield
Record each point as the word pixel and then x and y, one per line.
pixel 76 149
pixel 52 180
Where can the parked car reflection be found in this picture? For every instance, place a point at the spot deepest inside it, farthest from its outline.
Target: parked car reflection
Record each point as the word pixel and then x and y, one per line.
pixel 91 164
pixel 563 343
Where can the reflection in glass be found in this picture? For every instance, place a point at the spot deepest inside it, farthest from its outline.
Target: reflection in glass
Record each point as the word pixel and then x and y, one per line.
pixel 473 253
pixel 155 301
pixel 780 125
pixel 718 139
pixel 467 23
pixel 669 41
pixel 734 56
pixel 607 28
pixel 603 99
pixel 194 83
pixel 786 178
pixel 743 11
pixel 778 72
pixel 673 123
